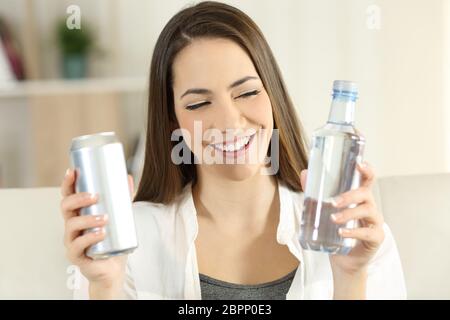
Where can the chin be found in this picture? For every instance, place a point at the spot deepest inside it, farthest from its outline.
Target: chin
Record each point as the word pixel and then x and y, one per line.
pixel 237 172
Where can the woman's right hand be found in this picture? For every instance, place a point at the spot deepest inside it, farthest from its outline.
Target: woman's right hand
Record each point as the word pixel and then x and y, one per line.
pixel 106 273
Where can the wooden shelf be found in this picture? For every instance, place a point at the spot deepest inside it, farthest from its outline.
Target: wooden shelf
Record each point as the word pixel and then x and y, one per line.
pixel 62 86
pixel 55 111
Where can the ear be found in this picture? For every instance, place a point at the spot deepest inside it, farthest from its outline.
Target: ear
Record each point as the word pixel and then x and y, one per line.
pixel 303 175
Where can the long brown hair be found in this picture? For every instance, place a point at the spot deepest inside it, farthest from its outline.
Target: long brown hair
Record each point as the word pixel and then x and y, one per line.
pixel 162 180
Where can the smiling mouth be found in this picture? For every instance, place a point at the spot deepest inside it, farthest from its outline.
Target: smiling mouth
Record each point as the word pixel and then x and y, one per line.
pixel 231 148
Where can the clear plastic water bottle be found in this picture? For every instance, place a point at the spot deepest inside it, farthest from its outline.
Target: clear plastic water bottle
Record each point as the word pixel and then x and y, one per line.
pixel 334 152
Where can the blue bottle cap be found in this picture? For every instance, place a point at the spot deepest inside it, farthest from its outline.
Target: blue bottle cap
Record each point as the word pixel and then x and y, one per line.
pixel 345 88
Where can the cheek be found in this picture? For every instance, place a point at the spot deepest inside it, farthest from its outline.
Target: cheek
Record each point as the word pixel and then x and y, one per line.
pixel 185 123
pixel 192 125
pixel 259 111
pixel 264 117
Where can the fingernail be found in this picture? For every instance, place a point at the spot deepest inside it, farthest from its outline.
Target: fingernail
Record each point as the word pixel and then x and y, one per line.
pixel 67 172
pixel 343 232
pixel 336 201
pixel 335 217
pixel 92 196
pixel 362 165
pixel 102 217
pixel 100 231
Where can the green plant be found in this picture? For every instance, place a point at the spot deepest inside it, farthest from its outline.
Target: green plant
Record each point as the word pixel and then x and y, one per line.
pixel 73 41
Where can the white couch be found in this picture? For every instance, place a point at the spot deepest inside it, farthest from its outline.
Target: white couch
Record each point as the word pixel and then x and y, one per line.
pixel 417 208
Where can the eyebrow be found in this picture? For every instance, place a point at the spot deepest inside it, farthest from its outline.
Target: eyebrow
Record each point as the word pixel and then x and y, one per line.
pixel 231 86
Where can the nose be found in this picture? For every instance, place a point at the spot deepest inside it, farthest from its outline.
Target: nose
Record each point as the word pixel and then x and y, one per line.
pixel 229 116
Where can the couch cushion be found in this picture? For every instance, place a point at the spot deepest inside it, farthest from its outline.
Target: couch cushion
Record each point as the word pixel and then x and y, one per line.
pixel 417 208
pixel 31 234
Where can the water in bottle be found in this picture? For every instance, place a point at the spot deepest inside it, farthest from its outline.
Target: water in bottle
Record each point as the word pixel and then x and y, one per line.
pixel 334 152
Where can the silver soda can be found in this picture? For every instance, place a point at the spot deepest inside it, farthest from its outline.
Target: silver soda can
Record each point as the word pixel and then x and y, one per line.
pixel 99 162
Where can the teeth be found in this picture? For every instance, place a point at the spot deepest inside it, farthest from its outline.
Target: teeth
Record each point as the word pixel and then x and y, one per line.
pixel 232 147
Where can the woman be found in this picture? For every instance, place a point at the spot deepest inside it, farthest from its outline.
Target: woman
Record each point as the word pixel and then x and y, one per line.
pixel 213 230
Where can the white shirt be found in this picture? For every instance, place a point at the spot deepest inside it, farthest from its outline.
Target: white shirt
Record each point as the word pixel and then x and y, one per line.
pixel 164 266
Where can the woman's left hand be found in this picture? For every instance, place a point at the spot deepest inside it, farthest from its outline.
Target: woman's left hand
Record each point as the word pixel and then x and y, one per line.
pixel 370 230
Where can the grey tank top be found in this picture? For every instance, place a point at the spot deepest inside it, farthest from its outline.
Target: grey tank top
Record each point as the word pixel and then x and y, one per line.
pixel 214 289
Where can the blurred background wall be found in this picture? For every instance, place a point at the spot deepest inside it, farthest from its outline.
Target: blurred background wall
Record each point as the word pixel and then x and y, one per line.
pixel 398 52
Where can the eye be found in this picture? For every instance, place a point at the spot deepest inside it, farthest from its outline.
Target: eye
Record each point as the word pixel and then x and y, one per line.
pixel 198 105
pixel 249 93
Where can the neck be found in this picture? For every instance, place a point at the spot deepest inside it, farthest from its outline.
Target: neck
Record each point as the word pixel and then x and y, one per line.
pixel 248 205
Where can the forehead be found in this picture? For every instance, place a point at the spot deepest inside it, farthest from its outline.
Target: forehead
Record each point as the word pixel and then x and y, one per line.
pixel 210 62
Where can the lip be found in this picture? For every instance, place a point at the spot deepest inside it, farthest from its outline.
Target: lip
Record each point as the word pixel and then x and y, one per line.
pixel 238 153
